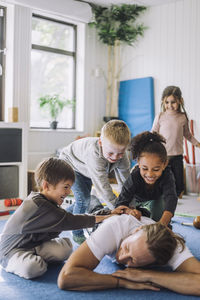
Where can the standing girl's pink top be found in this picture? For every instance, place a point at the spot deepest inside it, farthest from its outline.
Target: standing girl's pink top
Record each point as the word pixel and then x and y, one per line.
pixel 173 126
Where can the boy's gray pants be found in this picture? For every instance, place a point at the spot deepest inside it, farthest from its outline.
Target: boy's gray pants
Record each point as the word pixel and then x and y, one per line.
pixel 33 262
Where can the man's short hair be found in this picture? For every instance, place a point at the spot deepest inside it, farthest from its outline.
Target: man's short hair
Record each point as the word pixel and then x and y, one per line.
pixel 53 170
pixel 162 242
pixel 117 132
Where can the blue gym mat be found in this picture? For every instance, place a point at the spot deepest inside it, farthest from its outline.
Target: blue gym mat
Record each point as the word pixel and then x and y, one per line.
pixel 136 104
pixel 45 287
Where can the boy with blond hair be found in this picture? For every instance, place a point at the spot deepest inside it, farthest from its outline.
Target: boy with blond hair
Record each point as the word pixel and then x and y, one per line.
pixel 30 238
pixel 93 159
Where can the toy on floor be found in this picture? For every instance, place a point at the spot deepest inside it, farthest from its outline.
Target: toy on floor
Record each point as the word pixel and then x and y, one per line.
pixel 6 212
pixel 12 202
pixel 196 223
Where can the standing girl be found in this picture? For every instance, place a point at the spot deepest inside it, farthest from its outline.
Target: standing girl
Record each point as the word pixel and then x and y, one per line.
pixel 151 183
pixel 172 123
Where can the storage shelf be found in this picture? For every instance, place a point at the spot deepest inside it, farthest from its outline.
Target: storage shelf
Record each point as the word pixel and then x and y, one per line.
pixel 21 175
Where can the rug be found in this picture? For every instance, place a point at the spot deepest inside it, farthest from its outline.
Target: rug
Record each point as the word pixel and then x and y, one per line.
pixel 45 287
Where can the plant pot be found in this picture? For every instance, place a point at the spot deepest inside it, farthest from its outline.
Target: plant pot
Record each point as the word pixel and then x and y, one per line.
pixel 107 119
pixel 53 125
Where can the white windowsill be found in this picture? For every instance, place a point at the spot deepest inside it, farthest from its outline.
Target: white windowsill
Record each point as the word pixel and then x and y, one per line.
pixel 55 130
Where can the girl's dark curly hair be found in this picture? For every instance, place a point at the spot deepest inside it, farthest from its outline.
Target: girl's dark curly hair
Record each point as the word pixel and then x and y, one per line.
pixel 150 142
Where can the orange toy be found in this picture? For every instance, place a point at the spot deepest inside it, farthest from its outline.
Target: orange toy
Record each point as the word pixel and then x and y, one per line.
pixel 12 202
pixel 196 222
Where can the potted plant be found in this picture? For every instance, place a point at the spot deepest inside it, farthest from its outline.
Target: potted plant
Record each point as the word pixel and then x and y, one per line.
pixel 54 104
pixel 116 26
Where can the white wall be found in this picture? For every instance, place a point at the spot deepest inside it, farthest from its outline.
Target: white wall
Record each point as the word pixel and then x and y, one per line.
pixel 169 52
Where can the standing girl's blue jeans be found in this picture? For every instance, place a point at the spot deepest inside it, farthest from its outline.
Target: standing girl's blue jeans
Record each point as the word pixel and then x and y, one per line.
pixel 81 190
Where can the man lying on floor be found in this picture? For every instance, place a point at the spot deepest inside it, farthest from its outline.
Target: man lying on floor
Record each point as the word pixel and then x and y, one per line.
pixel 134 243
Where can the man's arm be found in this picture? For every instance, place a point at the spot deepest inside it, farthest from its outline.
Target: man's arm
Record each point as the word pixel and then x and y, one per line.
pixel 185 280
pixel 77 274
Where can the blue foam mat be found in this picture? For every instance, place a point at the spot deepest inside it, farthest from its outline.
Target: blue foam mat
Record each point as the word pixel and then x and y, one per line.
pixel 136 104
pixel 45 287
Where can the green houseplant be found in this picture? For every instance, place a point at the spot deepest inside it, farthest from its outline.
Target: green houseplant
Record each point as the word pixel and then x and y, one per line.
pixel 54 105
pixel 115 26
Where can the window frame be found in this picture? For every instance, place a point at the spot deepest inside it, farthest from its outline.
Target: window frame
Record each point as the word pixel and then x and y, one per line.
pixel 2 61
pixel 62 52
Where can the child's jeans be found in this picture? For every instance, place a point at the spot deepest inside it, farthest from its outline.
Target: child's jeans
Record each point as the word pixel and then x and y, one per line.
pixel 31 263
pixel 81 190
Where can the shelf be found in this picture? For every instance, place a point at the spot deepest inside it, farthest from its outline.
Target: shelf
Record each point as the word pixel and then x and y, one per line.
pixel 13 174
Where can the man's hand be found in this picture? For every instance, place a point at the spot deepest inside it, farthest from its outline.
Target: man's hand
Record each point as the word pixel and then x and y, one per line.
pixel 137 285
pixel 185 279
pixel 132 274
pixel 131 278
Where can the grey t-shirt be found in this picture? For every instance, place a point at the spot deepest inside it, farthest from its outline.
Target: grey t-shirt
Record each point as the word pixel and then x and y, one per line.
pixel 85 156
pixel 35 221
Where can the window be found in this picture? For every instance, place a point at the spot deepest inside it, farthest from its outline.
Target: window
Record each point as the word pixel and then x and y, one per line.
pixel 2 59
pixel 53 65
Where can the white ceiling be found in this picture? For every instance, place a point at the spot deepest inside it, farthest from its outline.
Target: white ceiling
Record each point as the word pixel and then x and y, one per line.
pixel 139 2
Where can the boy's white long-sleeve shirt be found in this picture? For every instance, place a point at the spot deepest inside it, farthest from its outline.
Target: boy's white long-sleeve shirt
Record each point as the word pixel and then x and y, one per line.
pixel 85 156
pixel 173 127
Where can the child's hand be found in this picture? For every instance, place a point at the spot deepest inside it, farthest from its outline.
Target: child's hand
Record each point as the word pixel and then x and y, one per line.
pixel 119 210
pixel 122 209
pixel 99 219
pixel 133 212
